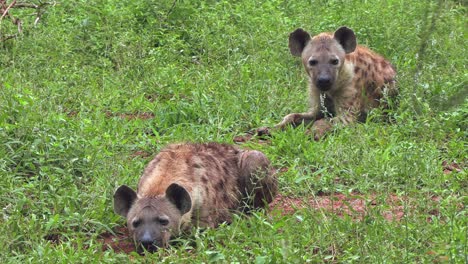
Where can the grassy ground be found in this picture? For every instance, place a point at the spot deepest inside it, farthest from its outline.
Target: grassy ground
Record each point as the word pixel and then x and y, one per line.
pixel 97 86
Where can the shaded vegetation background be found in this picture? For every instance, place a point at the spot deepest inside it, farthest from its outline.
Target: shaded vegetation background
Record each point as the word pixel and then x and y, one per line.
pixel 91 92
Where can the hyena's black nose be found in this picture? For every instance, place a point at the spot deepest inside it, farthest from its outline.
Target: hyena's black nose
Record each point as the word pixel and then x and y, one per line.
pixel 147 241
pixel 323 81
pixel 146 238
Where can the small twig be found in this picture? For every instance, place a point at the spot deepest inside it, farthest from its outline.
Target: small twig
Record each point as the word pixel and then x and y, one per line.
pixel 18 23
pixel 8 37
pixel 27 5
pixel 5 13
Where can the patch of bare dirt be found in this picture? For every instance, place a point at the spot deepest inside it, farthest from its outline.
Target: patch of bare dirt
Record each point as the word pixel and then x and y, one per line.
pixel 120 242
pixel 354 205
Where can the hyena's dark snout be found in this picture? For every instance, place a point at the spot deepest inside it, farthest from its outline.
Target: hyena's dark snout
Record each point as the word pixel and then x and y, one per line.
pixel 149 242
pixel 324 82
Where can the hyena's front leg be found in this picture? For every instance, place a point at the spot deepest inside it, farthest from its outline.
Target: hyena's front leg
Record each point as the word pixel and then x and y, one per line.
pixel 296 119
pixel 260 183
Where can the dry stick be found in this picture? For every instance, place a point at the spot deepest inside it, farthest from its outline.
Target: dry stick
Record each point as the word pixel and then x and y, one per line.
pixel 5 13
pixel 29 5
pixel 8 37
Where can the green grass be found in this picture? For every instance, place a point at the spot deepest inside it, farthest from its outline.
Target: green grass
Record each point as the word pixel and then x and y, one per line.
pixel 211 70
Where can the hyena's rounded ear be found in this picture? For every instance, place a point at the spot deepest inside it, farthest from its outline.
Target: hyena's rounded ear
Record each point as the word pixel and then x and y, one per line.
pixel 177 195
pixel 297 41
pixel 345 36
pixel 124 197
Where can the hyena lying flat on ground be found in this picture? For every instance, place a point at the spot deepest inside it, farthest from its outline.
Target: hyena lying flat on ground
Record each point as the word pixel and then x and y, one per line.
pixel 193 184
pixel 346 79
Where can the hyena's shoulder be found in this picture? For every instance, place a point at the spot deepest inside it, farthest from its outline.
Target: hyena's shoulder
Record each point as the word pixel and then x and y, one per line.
pixel 371 68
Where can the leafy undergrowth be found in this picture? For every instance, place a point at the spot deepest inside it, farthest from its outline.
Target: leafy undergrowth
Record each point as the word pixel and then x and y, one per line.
pixel 96 88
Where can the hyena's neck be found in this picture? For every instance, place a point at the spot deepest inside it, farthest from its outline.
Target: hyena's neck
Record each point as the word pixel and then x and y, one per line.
pixel 345 77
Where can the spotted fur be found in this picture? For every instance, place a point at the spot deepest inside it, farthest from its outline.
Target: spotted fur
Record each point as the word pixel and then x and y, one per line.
pixel 189 185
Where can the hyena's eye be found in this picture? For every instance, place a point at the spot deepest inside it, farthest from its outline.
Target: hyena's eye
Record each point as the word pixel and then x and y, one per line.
pixel 313 62
pixel 136 223
pixel 334 61
pixel 162 220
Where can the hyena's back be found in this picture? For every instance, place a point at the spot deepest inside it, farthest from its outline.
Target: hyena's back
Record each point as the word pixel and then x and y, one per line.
pixel 217 176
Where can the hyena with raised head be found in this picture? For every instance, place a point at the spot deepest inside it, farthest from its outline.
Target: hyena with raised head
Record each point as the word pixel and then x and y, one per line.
pixel 191 184
pixel 346 80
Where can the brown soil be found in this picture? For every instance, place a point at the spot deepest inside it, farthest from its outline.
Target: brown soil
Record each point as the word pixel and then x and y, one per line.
pixel 120 242
pixel 354 205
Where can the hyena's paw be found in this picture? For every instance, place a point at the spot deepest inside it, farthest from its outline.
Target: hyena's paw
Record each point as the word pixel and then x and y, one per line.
pixel 267 131
pixel 320 128
pixel 263 132
pixel 293 119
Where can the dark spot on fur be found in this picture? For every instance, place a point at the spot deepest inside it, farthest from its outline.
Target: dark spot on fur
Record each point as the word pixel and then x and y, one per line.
pixel 225 197
pixel 226 169
pixel 242 184
pixel 356 69
pixel 172 155
pixel 219 186
pixel 204 179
